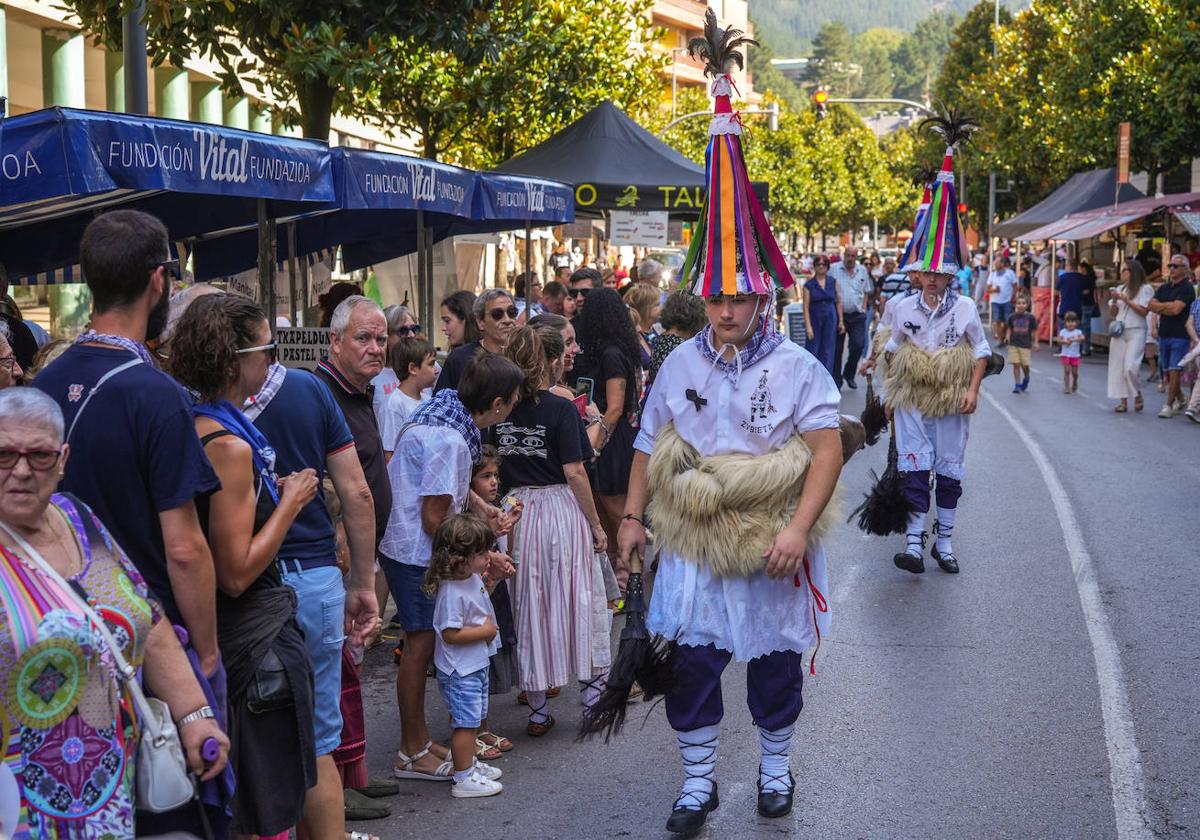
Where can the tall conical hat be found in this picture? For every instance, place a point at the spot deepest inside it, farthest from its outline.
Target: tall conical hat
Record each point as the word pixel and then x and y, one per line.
pixel 939 244
pixel 732 250
pixel 923 177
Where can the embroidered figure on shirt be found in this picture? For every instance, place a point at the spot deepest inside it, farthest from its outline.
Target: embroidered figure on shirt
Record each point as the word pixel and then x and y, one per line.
pixel 952 336
pixel 760 401
pixel 74 392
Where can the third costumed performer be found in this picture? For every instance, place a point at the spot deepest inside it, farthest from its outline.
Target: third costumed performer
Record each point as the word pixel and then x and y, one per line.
pixel 737 458
pixel 937 356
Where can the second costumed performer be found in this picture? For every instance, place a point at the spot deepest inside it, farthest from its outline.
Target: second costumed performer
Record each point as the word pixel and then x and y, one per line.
pixel 738 456
pixel 937 355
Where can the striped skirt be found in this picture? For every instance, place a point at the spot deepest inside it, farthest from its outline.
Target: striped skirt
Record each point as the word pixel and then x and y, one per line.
pixel 558 594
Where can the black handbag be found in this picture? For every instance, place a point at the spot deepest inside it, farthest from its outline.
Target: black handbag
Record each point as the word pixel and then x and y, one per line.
pixel 270 689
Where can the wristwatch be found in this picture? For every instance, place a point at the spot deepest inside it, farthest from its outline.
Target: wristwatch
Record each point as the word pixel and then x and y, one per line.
pixel 203 713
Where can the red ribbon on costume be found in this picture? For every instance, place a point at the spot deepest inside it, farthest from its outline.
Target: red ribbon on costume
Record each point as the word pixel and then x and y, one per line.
pixel 819 604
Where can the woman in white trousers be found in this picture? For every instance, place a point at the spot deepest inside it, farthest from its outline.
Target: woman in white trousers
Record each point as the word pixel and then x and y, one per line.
pixel 1128 303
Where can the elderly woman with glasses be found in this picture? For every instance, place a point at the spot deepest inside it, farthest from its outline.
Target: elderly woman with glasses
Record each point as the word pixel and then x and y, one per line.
pixel 10 370
pixel 400 324
pixel 222 350
pixel 822 313
pixel 68 728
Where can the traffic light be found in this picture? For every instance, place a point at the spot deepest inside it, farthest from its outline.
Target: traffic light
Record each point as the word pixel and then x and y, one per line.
pixel 962 208
pixel 820 100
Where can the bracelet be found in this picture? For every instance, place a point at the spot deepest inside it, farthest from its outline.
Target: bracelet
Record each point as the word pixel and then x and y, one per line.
pixel 633 518
pixel 203 713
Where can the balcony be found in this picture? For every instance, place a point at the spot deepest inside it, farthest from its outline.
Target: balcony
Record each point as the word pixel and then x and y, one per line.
pixel 686 14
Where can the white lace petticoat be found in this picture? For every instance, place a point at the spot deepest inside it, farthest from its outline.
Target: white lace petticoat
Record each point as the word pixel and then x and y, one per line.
pixel 750 616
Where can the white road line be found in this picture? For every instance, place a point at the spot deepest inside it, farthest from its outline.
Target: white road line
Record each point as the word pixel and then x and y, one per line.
pixel 1124 760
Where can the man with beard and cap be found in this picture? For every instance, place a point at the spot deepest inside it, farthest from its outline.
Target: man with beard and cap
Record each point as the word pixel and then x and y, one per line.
pixel 937 355
pixel 135 457
pixel 738 456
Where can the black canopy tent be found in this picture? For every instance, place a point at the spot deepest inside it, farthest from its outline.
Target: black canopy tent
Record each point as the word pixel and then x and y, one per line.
pixel 615 164
pixel 1083 191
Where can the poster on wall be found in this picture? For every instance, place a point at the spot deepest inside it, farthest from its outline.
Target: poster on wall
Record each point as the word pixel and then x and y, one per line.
pixel 302 347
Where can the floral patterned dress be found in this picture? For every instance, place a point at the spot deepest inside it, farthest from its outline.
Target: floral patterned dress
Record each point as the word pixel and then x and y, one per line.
pixel 67 728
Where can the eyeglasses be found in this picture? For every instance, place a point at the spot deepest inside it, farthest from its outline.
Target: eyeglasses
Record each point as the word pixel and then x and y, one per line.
pixel 1179 265
pixel 272 349
pixel 8 362
pixel 171 267
pixel 411 329
pixel 38 459
pixel 575 293
pixel 498 314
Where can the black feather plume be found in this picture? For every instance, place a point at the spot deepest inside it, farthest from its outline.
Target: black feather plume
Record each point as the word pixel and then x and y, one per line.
pixel 885 510
pixel 923 175
pixel 647 660
pixel 873 417
pixel 719 48
pixel 953 126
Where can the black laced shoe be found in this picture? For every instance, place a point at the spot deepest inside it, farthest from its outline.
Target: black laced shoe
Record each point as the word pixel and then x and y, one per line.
pixel 773 804
pixel 946 561
pixel 687 818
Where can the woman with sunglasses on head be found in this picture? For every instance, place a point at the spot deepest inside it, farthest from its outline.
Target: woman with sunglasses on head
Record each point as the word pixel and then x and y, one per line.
pixel 822 313
pixel 495 314
pixel 222 350
pixel 52 550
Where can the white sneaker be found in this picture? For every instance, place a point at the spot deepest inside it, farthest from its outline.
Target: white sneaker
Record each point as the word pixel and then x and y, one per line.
pixel 487 771
pixel 474 787
pixel 1167 413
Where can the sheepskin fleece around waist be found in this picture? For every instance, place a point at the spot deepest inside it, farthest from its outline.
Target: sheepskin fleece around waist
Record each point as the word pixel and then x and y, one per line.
pixel 932 383
pixel 723 511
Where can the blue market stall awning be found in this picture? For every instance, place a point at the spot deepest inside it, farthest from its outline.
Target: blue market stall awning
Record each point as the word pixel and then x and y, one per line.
pixel 59 167
pixel 500 202
pixel 378 198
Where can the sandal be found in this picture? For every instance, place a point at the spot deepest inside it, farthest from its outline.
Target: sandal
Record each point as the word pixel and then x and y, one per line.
pixel 1138 403
pixel 443 773
pixel 1121 408
pixel 537 730
pixel 498 741
pixel 485 751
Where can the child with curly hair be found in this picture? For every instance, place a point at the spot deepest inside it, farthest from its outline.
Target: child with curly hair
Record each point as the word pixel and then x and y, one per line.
pixel 465 636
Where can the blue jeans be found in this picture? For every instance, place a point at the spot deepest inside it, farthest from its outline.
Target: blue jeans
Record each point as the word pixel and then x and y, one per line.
pixel 321 614
pixel 856 334
pixel 1088 311
pixel 466 697
pixel 1001 311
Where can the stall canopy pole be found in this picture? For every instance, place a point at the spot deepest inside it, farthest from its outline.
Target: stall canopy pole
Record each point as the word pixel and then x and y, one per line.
pixel 302 315
pixel 292 298
pixel 266 261
pixel 427 303
pixel 1053 314
pixel 528 255
pixel 421 295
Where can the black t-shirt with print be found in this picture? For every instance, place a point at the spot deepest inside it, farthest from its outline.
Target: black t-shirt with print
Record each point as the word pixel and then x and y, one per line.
pixel 536 440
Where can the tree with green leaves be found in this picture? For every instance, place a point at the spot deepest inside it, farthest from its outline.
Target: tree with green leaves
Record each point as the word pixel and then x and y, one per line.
pixel 875 49
pixel 918 59
pixel 832 63
pixel 555 63
pixel 315 59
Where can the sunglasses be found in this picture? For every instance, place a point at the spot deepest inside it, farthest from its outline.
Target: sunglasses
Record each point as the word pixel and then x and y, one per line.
pixel 171 267
pixel 498 314
pixel 38 459
pixel 272 350
pixel 409 330
pixel 576 293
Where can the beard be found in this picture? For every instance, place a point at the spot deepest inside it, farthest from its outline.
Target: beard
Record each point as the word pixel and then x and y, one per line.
pixel 157 321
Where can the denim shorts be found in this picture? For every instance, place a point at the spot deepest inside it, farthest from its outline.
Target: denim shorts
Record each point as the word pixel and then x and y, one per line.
pixel 466 697
pixel 414 609
pixel 321 614
pixel 1001 311
pixel 1170 351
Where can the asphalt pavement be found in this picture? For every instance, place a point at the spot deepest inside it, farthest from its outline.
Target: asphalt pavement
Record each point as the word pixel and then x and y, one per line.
pixel 1050 690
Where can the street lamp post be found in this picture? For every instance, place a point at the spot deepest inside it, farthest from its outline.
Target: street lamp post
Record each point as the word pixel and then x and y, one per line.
pixel 674 77
pixel 771 112
pixel 992 175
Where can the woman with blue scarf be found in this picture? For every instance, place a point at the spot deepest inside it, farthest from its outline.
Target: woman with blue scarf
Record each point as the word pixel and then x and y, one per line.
pixel 221 350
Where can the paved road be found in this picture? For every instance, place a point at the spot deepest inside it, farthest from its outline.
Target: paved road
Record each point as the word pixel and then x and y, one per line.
pixel 943 707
